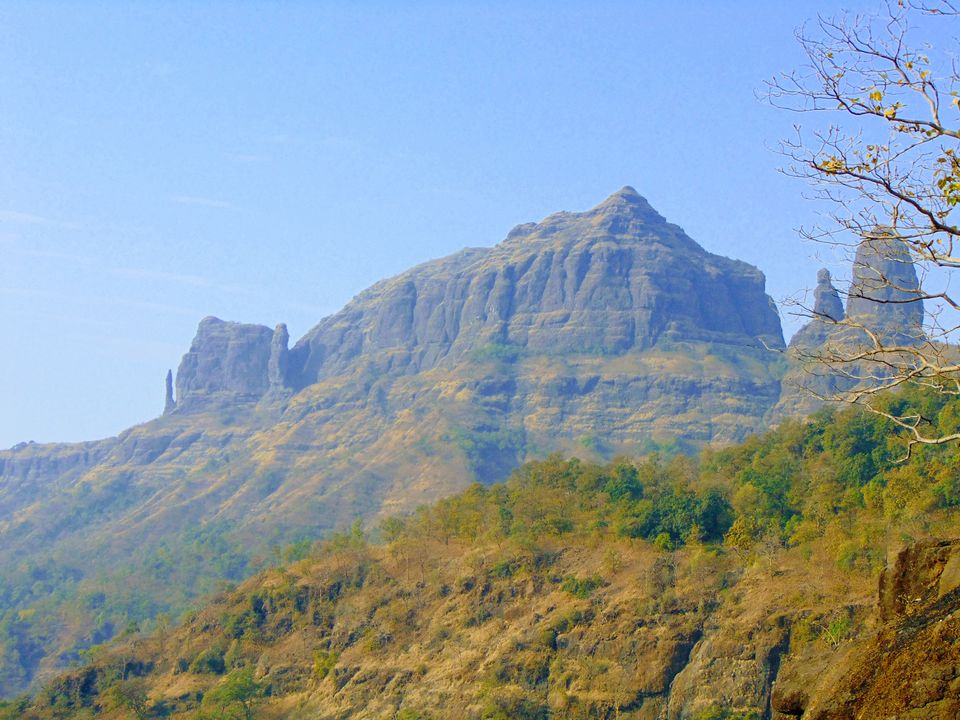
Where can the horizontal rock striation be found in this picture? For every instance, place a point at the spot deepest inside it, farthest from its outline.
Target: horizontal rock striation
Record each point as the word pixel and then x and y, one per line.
pixel 614 279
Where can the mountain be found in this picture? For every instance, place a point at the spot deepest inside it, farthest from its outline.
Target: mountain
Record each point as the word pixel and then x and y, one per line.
pixel 734 585
pixel 616 281
pixel 602 332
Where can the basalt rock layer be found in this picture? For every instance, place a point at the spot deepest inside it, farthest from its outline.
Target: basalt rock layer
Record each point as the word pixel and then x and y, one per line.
pixel 616 279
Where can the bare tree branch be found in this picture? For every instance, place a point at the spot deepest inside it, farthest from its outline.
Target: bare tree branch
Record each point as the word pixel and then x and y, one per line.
pixel 889 165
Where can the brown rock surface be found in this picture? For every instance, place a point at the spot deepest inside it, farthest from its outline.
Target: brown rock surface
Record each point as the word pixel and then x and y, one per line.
pixel 911 668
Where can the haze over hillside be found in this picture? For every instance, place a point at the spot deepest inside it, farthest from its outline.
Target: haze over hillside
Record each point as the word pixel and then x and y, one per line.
pixel 595 333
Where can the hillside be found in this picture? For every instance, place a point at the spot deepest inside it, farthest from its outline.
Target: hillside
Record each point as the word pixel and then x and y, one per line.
pixel 742 584
pixel 595 333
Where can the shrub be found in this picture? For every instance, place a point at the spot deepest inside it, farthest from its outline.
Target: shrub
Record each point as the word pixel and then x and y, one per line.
pixel 664 542
pixel 323 663
pixel 582 588
pixel 209 662
pixel 502 708
pixel 837 631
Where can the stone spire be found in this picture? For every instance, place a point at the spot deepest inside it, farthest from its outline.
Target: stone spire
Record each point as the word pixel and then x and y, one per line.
pixel 170 404
pixel 277 365
pixel 826 299
pixel 826 307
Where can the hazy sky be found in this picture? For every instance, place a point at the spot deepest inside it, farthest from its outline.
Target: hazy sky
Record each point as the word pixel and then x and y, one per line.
pixel 265 162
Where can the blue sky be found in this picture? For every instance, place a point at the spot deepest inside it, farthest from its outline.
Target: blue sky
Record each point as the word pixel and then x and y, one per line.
pixel 265 162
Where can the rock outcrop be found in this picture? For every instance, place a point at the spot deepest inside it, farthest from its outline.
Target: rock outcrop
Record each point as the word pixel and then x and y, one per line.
pixel 278 364
pixel 827 303
pixel 227 362
pixel 827 311
pixel 910 669
pixel 883 298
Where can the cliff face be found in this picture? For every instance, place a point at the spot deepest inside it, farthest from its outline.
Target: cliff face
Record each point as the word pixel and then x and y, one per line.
pixel 594 333
pixel 230 364
pixel 908 668
pixel 884 292
pixel 227 361
pixel 614 279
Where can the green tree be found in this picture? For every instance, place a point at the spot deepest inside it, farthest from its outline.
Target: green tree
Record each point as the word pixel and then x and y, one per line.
pixel 237 688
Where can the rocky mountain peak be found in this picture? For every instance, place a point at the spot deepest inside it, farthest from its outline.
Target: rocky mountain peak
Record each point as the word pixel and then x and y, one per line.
pixel 612 279
pixel 883 296
pixel 627 200
pixel 624 216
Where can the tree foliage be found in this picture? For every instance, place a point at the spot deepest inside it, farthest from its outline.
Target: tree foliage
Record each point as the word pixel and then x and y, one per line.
pixel 238 689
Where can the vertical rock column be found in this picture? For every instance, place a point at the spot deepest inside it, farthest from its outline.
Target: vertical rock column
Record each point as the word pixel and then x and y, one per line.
pixel 277 366
pixel 826 299
pixel 885 292
pixel 169 404
pixel 827 309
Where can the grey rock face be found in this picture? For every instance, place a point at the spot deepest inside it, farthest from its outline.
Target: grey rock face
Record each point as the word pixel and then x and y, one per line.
pixel 883 294
pixel 882 298
pixel 607 281
pixel 169 404
pixel 227 360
